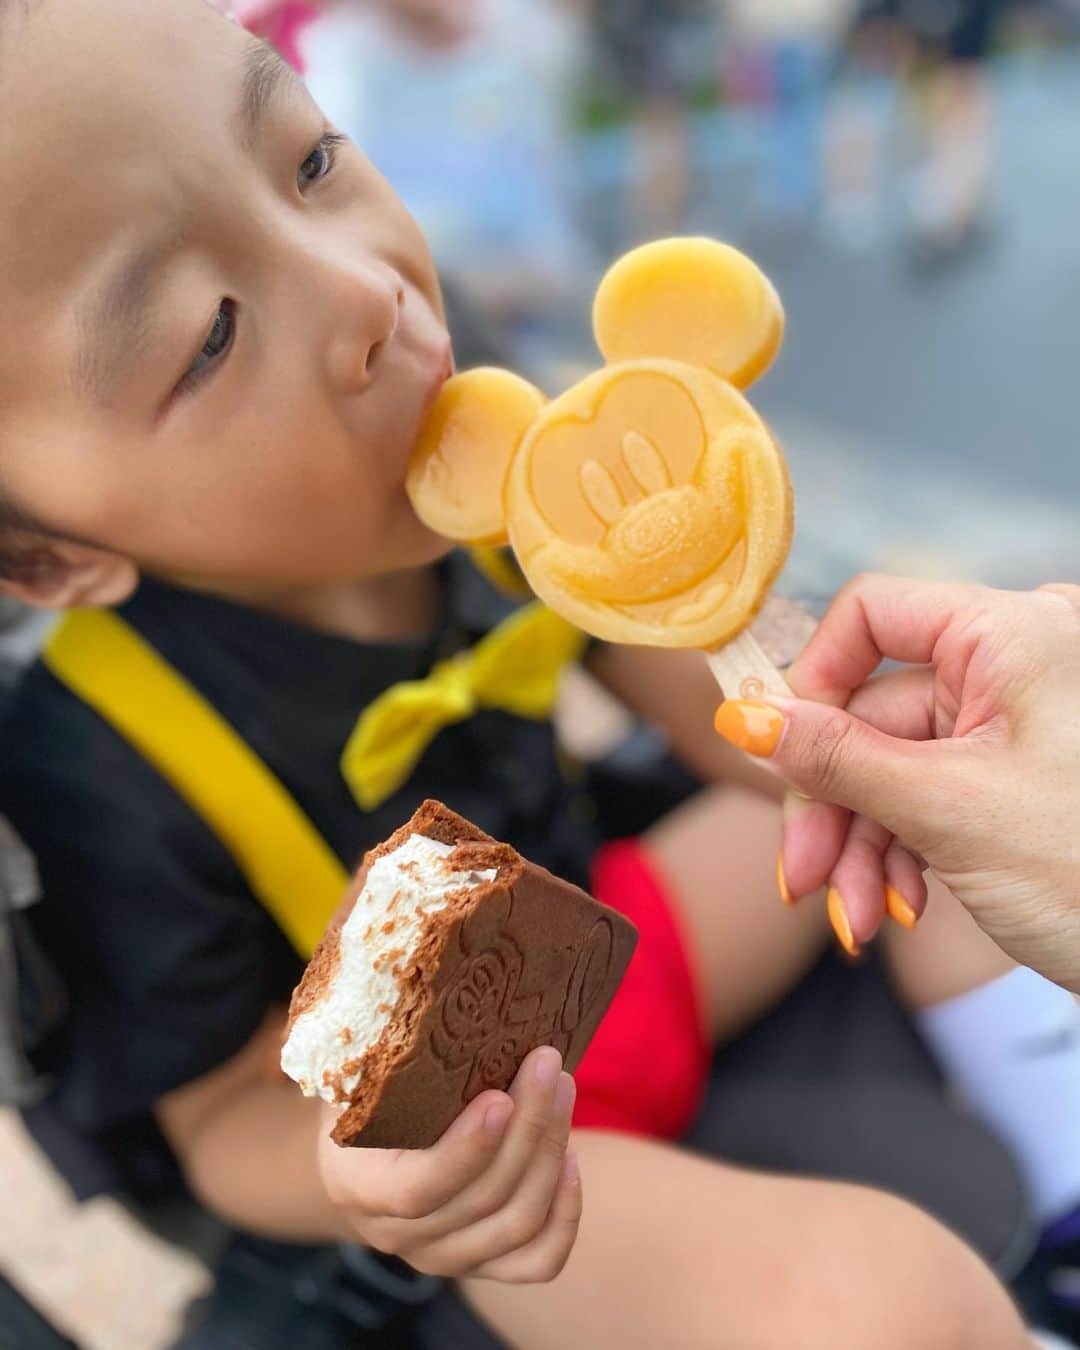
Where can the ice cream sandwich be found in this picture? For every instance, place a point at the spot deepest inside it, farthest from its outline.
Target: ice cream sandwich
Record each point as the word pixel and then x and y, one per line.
pixel 454 958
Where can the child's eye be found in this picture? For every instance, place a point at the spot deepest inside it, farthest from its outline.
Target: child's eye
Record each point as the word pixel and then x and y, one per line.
pixel 217 344
pixel 321 160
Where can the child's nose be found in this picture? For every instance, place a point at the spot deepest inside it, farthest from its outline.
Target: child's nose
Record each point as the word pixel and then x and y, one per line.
pixel 368 308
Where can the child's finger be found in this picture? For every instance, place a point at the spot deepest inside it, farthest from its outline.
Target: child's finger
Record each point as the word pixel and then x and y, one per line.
pixel 544 1258
pixel 409 1185
pixel 540 1130
pixel 905 885
pixel 522 1215
pixel 856 897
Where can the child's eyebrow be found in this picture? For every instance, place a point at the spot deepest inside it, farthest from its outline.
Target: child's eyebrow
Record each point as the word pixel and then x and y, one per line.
pixel 265 75
pixel 116 323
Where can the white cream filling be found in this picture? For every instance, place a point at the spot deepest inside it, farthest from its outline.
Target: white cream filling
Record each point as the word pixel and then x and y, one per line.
pixel 402 889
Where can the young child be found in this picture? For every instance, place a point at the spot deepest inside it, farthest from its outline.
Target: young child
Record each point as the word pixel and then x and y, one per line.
pixel 222 333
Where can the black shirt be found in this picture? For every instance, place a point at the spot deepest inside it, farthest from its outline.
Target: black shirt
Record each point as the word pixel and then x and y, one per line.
pixel 169 961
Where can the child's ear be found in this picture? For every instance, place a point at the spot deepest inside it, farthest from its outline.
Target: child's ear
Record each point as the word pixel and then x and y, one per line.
pixel 55 574
pixel 691 300
pixel 458 469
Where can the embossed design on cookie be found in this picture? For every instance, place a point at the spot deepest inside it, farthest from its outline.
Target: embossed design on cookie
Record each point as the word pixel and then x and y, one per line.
pixel 476 1008
pixel 487 1021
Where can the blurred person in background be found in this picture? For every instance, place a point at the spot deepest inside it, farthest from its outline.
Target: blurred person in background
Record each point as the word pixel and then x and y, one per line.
pixel 491 188
pixel 951 42
pixel 792 43
pixel 863 112
pixel 653 54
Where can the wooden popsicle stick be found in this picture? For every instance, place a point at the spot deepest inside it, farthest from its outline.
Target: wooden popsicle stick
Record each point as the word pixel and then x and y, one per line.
pixel 742 670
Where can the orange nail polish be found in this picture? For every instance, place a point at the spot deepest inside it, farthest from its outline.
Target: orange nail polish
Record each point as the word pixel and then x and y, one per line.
pixel 841 923
pixel 899 909
pixel 753 727
pixel 781 881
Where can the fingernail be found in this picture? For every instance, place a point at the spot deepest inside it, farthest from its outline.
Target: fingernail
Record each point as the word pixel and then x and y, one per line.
pixel 565 1094
pixel 498 1117
pixel 781 880
pixel 570 1170
pixel 753 727
pixel 841 924
pixel 899 909
pixel 547 1066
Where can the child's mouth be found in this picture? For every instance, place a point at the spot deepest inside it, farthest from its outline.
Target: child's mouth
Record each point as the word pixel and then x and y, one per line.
pixel 444 368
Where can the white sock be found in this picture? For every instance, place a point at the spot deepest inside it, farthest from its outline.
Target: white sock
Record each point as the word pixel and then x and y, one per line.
pixel 1012 1049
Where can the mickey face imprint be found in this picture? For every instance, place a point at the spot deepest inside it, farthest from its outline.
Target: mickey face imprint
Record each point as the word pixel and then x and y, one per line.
pixel 647 504
pixel 654 509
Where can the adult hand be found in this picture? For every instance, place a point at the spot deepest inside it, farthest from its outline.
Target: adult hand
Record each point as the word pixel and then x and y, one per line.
pixel 497 1198
pixel 968 761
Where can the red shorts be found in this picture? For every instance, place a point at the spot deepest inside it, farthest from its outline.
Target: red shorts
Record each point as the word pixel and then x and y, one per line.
pixel 646 1069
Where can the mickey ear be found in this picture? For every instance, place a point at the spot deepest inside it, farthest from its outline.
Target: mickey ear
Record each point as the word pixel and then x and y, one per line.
pixel 691 300
pixel 459 465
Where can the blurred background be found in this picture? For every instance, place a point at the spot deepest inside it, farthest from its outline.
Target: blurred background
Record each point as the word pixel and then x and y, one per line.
pixel 906 171
pixel 903 169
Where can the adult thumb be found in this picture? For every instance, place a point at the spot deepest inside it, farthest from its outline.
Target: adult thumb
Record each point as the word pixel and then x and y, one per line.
pixel 831 756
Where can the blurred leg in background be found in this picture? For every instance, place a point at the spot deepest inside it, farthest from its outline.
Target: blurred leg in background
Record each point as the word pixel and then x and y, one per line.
pixel 650 53
pixel 859 130
pixel 952 191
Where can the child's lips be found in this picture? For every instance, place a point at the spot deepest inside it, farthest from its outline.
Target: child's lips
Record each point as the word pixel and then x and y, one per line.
pixel 444 368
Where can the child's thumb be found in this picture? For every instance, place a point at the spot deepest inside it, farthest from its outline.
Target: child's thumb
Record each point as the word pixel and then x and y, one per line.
pixel 827 754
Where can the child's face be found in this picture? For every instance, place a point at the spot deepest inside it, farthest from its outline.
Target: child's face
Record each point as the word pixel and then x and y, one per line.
pixel 221 331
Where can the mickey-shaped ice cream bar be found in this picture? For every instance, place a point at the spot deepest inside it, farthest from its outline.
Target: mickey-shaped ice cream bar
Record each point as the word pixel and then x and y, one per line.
pixel 648 504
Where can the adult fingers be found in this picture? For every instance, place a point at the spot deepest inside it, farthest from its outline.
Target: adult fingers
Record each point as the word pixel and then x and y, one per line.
pixel 901 703
pixel 905 885
pixel 826 753
pixel 856 899
pixel 872 618
pixel 813 839
pixel 545 1257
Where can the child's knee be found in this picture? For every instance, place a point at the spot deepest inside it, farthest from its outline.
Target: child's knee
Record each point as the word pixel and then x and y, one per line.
pixel 892 1277
pixel 866 1270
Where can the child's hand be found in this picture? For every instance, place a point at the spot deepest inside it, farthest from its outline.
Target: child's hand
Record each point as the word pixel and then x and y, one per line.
pixel 497 1198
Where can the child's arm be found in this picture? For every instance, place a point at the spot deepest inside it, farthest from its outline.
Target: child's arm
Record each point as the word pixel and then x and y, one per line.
pixel 676 691
pixel 497 1197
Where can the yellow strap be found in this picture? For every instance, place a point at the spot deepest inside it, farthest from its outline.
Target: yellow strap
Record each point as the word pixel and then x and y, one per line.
pixel 287 863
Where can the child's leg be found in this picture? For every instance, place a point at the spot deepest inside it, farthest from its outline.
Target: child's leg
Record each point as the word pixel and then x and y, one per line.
pixel 1008 1040
pixel 678 1251
pixel 946 955
pixel 717 949
pixel 717 857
